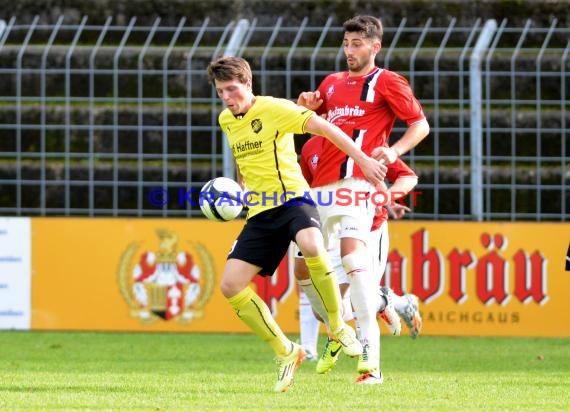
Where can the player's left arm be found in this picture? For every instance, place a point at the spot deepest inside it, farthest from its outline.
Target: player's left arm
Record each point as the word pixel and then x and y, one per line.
pixel 402 186
pixel 413 135
pixel 403 179
pixel 399 189
pixel 400 97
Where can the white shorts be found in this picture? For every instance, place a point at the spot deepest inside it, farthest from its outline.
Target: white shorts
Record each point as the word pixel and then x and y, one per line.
pixel 345 210
pixel 377 244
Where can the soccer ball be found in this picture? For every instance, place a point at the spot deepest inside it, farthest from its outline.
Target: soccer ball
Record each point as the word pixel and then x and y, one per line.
pixel 220 199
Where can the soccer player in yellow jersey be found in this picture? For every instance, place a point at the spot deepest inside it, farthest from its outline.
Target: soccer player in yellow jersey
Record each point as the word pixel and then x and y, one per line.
pixel 260 133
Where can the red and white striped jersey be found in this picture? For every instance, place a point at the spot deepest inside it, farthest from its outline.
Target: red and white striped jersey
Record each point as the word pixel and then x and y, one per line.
pixel 365 108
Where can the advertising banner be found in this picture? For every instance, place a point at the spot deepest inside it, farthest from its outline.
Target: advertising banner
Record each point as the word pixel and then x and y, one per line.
pixel 495 279
pixel 15 273
pixel 472 278
pixel 131 274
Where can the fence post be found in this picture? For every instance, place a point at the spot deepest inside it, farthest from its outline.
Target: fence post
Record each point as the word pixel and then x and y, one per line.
pixel 43 114
pixel 417 49
pixel 514 103
pixel 140 115
pixel 92 98
pixel 189 104
pixel 116 126
pixel 317 50
pixel 241 28
pixel 563 130
pixel 475 87
pixel 266 52
pixel 19 98
pixel 290 54
pixel 539 102
pixel 436 105
pixel 165 103
pixel 462 132
pixel 67 160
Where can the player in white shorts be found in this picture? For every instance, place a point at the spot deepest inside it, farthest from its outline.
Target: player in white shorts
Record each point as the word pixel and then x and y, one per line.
pixel 364 101
pixel 377 240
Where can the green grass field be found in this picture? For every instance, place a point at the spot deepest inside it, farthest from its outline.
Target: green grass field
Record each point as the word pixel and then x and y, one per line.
pixel 213 372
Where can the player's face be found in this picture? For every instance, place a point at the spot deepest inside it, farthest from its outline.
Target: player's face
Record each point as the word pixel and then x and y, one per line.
pixel 236 96
pixel 360 53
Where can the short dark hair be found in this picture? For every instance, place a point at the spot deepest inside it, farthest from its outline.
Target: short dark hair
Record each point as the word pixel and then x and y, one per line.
pixel 228 68
pixel 369 26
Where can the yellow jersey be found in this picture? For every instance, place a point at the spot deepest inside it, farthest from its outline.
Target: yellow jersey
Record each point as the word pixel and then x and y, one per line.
pixel 264 149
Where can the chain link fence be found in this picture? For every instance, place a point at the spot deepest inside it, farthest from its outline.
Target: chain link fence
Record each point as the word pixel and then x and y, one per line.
pixel 96 118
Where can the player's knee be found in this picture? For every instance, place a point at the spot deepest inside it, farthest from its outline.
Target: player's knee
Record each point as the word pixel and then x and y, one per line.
pixel 355 261
pixel 226 289
pixel 229 287
pixel 310 242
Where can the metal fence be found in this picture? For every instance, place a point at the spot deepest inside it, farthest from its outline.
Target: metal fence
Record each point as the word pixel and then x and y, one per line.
pixel 95 118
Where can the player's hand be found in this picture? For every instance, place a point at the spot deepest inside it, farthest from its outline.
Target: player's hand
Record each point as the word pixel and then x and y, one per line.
pixel 373 170
pixel 397 211
pixel 387 154
pixel 310 100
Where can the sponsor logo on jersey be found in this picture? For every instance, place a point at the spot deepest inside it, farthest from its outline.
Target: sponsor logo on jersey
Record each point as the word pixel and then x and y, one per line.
pixel 314 161
pixel 256 126
pixel 247 148
pixel 345 111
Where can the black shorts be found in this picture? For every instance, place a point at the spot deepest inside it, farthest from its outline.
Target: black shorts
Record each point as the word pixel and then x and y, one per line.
pixel 265 238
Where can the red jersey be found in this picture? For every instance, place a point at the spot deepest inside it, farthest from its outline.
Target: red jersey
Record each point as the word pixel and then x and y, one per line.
pixel 311 159
pixel 310 155
pixel 365 108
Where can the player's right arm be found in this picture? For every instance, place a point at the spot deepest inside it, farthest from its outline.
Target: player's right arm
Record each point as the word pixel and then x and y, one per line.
pixel 399 96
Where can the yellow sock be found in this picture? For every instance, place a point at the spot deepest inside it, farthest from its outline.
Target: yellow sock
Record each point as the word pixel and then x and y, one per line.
pixel 253 311
pixel 326 285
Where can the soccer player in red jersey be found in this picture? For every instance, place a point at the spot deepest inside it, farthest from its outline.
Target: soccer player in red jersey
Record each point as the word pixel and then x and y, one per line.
pixel 364 102
pixel 390 306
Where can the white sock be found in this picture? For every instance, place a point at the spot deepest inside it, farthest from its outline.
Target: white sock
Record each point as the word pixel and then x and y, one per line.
pixel 309 324
pixel 364 296
pixel 307 287
pixel 347 313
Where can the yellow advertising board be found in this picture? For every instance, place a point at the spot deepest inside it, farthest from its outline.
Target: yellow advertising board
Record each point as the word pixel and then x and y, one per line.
pixel 164 275
pixel 495 279
pixel 130 274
